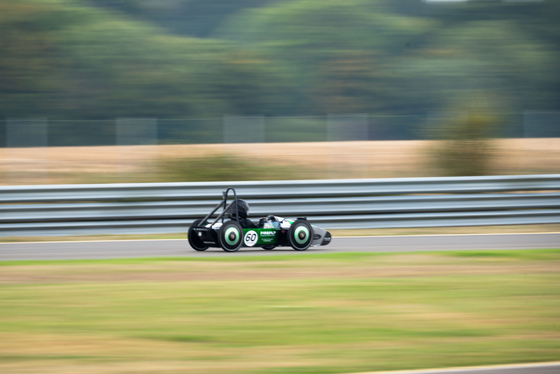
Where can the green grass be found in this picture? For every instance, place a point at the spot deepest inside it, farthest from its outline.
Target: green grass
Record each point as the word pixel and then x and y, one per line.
pixel 298 257
pixel 321 313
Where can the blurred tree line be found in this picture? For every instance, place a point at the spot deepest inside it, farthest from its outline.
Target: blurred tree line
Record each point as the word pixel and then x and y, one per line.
pixel 102 59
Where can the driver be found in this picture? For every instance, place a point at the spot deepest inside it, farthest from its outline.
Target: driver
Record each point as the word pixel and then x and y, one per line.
pixel 243 212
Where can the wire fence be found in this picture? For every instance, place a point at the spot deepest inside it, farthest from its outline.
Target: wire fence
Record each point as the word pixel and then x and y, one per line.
pixel 42 132
pixel 48 151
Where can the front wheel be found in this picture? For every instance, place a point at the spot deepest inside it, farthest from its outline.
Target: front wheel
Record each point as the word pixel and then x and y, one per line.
pixel 230 236
pixel 300 235
pixel 194 240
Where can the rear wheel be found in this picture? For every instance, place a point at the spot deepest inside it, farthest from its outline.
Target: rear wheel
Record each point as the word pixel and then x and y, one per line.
pixel 230 236
pixel 194 240
pixel 300 235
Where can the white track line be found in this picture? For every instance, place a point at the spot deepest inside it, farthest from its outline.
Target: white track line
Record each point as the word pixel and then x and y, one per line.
pixel 471 369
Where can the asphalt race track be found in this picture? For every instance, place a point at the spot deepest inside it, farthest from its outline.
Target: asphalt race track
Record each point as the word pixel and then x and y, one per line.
pixel 177 248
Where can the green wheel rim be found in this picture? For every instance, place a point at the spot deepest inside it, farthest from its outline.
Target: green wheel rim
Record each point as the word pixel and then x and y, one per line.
pixel 301 234
pixel 231 236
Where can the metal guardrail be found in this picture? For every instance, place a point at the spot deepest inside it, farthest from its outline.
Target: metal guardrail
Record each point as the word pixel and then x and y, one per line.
pixel 357 203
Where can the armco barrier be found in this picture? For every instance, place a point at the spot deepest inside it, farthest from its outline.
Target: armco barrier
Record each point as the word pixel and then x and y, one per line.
pixel 357 203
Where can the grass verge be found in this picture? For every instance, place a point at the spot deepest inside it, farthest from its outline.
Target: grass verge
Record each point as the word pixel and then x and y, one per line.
pixel 330 313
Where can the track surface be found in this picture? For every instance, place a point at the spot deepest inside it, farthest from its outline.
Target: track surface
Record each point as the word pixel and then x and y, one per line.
pixel 177 248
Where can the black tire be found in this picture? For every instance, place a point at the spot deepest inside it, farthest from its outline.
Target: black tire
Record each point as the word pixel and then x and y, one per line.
pixel 300 235
pixel 269 247
pixel 194 240
pixel 230 236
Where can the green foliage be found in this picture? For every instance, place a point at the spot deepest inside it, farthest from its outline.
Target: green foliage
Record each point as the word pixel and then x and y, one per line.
pixel 465 146
pixel 98 59
pixel 101 65
pixel 197 18
pixel 337 55
pixel 27 64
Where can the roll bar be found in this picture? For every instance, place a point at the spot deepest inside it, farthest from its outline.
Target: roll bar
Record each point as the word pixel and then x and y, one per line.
pixel 226 207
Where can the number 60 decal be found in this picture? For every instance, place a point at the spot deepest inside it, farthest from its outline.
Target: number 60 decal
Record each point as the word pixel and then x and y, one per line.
pixel 251 238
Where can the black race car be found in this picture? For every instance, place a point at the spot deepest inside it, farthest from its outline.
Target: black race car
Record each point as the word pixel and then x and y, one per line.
pixel 232 229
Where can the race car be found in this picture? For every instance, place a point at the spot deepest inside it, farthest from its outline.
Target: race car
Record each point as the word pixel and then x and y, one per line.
pixel 232 229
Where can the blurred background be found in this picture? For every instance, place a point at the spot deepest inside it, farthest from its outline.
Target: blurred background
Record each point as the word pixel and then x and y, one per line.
pixel 111 91
pixel 97 91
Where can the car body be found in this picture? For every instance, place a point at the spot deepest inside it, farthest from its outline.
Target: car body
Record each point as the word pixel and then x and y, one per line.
pixel 271 232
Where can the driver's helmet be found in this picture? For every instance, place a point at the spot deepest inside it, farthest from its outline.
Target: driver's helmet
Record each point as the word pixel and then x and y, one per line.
pixel 242 209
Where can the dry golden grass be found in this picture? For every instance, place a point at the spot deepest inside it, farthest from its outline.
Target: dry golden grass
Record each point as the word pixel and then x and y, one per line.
pixel 371 159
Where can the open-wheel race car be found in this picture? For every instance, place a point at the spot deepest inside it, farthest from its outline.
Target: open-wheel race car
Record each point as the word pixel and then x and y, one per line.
pixel 232 229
